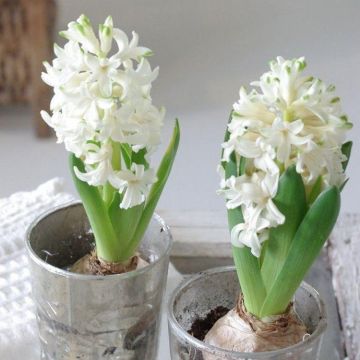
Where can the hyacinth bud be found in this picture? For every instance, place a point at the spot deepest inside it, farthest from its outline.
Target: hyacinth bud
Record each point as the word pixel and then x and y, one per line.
pixel 106 35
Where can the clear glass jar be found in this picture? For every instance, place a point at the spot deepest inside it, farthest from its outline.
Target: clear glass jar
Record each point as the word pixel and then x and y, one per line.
pixel 93 317
pixel 201 293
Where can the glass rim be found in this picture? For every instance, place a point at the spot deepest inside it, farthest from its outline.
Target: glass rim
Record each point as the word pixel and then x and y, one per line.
pixel 214 350
pixel 68 274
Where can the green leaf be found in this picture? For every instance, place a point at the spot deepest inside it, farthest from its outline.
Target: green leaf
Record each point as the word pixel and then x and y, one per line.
pixel 291 202
pixel 341 188
pixel 227 132
pixel 107 245
pixel 306 245
pixel 139 158
pixel 346 150
pixel 126 153
pixel 108 193
pixel 263 252
pixel 124 221
pixel 316 190
pixel 156 189
pixel 242 165
pixel 231 168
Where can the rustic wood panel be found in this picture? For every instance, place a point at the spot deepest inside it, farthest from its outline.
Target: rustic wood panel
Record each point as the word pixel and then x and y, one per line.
pixel 25 42
pixel 344 254
pixel 320 277
pixel 14 53
pixel 43 14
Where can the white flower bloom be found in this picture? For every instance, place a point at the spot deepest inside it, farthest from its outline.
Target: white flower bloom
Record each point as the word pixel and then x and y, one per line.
pixel 283 136
pixel 70 58
pixel 258 209
pixel 243 146
pixel 288 119
pixel 98 167
pixel 251 107
pixel 134 184
pixel 103 71
pixel 311 163
pixel 265 160
pixel 129 50
pixel 137 82
pixel 244 190
pixel 334 170
pixel 91 105
pixel 70 131
pixel 252 232
pixel 143 126
pixel 102 97
pixel 221 172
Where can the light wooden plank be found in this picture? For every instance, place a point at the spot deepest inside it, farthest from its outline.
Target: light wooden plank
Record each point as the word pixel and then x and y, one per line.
pixel 194 219
pixel 201 242
pixel 198 233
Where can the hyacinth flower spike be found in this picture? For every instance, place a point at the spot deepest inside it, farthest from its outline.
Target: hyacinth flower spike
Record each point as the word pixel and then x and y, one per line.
pixel 282 171
pixel 102 111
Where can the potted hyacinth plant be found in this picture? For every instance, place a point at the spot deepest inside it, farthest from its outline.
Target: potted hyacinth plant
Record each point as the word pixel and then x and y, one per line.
pixel 100 266
pixel 282 171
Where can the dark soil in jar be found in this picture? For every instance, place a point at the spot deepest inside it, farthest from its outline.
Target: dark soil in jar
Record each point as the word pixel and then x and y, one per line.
pixel 200 327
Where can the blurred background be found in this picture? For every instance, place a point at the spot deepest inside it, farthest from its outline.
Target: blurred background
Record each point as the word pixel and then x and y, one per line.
pixel 205 49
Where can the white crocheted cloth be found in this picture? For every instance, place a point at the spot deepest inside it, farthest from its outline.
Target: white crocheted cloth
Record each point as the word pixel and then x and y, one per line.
pixel 18 330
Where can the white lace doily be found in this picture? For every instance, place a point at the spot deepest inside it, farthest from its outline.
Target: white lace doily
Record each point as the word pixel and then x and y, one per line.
pixel 18 331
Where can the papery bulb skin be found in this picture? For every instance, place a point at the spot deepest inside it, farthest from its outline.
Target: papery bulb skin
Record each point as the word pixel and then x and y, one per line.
pixel 90 264
pixel 241 331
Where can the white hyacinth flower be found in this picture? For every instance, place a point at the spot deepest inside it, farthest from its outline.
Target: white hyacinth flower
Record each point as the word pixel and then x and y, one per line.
pixel 253 195
pixel 252 232
pixel 133 184
pixel 287 119
pixel 283 136
pixel 102 99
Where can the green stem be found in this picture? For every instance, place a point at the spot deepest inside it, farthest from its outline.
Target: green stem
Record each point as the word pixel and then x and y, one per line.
pixel 248 270
pixel 108 194
pixel 116 156
pixel 107 245
pixel 108 191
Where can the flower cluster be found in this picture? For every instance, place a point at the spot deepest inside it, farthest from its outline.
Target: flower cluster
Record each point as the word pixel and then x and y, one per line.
pixel 102 99
pixel 286 119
